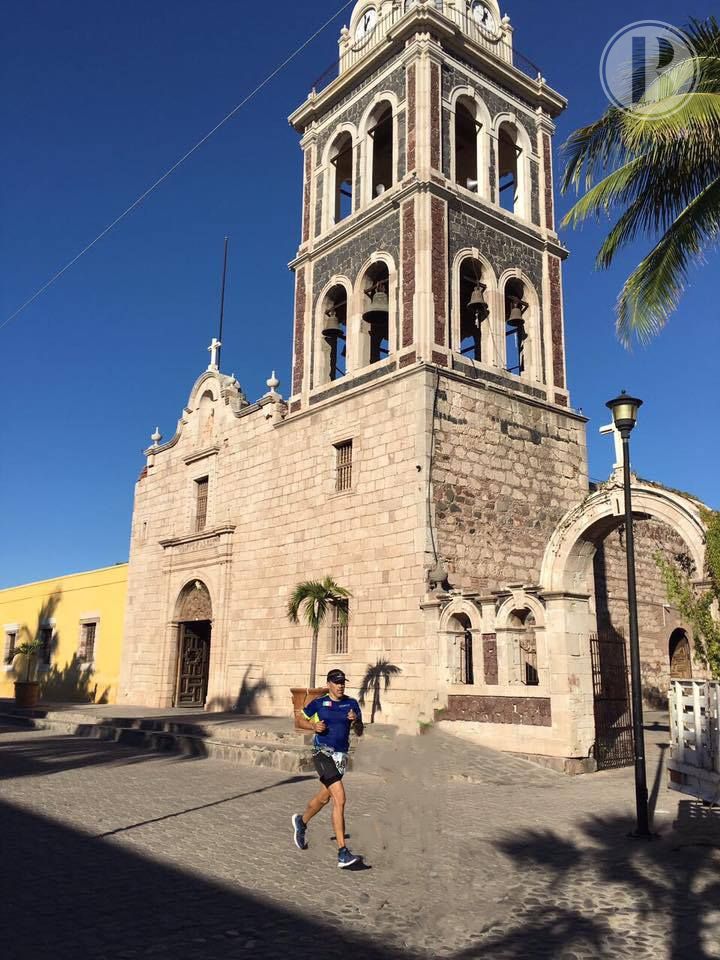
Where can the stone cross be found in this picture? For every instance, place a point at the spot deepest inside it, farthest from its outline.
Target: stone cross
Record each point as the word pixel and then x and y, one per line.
pixel 612 429
pixel 214 350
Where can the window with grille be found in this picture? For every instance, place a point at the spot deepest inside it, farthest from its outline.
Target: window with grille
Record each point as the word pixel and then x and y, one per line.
pixel 10 645
pixel 45 636
pixel 343 466
pixel 201 503
pixel 528 652
pixel 339 632
pixel 88 632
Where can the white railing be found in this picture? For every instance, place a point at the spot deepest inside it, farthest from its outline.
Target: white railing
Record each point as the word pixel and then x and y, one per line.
pixel 695 738
pixel 497 44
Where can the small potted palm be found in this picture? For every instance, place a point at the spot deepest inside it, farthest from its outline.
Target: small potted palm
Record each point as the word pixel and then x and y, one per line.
pixel 27 691
pixel 313 600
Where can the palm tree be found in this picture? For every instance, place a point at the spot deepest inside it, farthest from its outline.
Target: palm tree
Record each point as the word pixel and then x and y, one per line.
pixel 313 600
pixel 657 167
pixel 383 670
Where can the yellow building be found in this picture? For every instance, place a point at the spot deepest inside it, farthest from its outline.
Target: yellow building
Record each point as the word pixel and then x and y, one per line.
pixel 80 619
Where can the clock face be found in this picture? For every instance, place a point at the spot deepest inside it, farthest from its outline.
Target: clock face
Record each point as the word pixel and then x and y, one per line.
pixel 483 16
pixel 366 24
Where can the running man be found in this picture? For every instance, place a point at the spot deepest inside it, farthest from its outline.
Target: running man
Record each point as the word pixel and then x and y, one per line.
pixel 330 718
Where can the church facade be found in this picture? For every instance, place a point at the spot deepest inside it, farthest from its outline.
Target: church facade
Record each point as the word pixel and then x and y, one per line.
pixel 428 457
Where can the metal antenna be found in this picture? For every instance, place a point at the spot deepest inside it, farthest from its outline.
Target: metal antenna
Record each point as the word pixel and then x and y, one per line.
pixel 222 300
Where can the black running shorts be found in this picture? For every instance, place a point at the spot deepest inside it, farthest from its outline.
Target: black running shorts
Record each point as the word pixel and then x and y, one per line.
pixel 326 769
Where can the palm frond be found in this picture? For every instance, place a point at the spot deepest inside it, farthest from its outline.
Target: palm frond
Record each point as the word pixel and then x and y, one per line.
pixel 653 290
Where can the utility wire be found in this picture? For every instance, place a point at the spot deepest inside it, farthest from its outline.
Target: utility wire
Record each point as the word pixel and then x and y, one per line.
pixel 175 166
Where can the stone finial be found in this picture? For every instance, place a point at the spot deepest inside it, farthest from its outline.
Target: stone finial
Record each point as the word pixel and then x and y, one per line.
pixel 156 437
pixel 214 351
pixel 506 20
pixel 273 383
pixel 438 577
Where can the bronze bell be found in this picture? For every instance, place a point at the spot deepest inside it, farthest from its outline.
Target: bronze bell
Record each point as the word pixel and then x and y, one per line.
pixel 517 309
pixel 333 327
pixel 477 302
pixel 379 309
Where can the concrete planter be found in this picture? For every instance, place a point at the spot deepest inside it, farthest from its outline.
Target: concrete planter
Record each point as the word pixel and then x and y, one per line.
pixel 303 695
pixel 27 693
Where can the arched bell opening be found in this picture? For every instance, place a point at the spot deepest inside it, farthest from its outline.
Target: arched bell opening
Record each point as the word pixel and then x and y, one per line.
pixel 516 327
pixel 474 310
pixel 332 335
pixel 375 333
pixel 381 135
pixel 509 169
pixel 467 133
pixel 341 165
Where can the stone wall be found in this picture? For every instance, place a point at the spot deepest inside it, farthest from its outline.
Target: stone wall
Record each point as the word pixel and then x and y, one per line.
pixel 505 470
pixel 656 619
pixel 274 519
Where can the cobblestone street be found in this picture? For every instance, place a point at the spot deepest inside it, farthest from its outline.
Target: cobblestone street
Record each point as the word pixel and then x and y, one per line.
pixel 112 853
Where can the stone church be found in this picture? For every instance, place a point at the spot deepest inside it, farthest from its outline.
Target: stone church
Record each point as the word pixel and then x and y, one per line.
pixel 428 457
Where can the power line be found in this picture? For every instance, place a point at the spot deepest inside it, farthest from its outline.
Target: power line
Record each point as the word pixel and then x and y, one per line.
pixel 175 166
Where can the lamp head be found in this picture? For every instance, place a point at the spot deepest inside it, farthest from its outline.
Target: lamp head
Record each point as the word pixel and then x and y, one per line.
pixel 624 410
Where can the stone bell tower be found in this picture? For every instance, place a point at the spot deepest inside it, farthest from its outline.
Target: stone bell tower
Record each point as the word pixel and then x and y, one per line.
pixel 428 226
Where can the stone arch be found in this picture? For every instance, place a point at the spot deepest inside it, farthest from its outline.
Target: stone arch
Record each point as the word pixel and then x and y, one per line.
pixel 511 138
pixel 490 329
pixel 680 654
pixel 534 366
pixel 369 119
pixel 519 601
pixel 193 603
pixel 469 97
pixel 359 348
pixel 464 607
pixel 321 366
pixel 337 143
pixel 567 563
pixel 460 630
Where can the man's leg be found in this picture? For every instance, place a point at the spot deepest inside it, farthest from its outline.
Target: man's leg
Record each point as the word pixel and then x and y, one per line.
pixel 337 792
pixel 320 800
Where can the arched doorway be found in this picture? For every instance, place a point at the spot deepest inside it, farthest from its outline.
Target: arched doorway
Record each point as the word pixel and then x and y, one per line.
pixel 194 619
pixel 680 656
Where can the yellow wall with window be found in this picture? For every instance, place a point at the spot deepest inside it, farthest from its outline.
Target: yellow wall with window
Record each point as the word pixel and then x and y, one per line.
pixel 82 616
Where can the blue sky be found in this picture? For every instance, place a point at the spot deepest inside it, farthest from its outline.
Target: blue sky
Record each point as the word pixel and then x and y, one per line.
pixel 99 100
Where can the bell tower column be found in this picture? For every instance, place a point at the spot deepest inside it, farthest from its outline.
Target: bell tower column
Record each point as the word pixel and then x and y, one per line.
pixel 430 301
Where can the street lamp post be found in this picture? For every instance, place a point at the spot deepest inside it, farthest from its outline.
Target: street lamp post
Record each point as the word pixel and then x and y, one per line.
pixel 624 411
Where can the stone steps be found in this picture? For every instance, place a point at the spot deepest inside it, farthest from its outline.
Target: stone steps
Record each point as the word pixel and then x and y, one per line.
pixel 257 743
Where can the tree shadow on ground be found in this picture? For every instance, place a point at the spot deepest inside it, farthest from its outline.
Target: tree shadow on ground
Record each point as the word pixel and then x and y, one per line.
pixel 72 684
pixel 578 891
pixel 101 897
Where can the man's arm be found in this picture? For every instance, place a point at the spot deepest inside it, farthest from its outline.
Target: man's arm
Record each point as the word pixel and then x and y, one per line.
pixel 355 718
pixel 305 724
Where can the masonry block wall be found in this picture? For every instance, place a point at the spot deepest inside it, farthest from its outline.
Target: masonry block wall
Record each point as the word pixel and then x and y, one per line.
pixel 656 618
pixel 505 470
pixel 275 519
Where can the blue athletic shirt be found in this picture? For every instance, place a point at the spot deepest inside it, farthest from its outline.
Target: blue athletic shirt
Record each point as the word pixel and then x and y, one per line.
pixel 334 713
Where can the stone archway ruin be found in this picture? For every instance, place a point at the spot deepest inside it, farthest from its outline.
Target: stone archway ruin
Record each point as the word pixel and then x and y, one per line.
pixel 568 557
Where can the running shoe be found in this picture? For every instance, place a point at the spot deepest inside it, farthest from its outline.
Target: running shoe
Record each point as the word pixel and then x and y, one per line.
pixel 299 829
pixel 345 858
